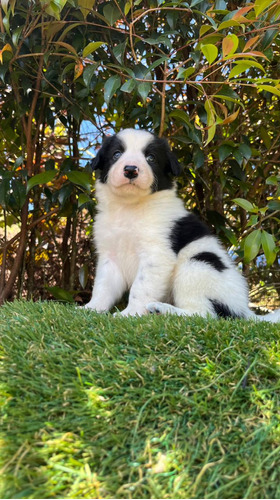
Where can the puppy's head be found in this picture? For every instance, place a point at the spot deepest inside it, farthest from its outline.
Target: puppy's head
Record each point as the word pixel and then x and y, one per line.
pixel 136 161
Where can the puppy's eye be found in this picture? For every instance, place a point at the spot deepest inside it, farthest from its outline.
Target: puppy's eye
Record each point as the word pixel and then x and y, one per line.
pixel 117 155
pixel 150 158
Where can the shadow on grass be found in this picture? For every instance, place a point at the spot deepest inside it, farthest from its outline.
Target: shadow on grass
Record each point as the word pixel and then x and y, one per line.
pixel 96 407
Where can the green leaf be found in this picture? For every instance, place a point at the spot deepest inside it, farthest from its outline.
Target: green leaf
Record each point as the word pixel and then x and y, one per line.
pixel 4 192
pixel 19 192
pixel 265 137
pixel 273 180
pixel 86 6
pixel 68 47
pixel 252 245
pixel 273 205
pixel 42 178
pixel 111 13
pixel 210 51
pixel 16 35
pixel 5 5
pixel 82 199
pixel 91 47
pixel 230 236
pixel 211 120
pixel 181 116
pixel 224 151
pixel 204 29
pixel 253 220
pixel 269 247
pixel 237 155
pixel 247 205
pixel 60 294
pixel 54 7
pixel 80 178
pixel 64 33
pixel 195 2
pixel 88 73
pixel 157 63
pixel 83 275
pixel 185 73
pixel 211 133
pixel 242 66
pixel 269 88
pixel 118 52
pixel 68 68
pixel 251 63
pixel 228 24
pixel 127 8
pixel 198 157
pixel 245 151
pixel 64 193
pixel 110 87
pixel 226 92
pixel 261 5
pixel 268 38
pixel 143 89
pixel 128 86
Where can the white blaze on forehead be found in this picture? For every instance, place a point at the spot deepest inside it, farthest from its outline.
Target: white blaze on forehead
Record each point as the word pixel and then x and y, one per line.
pixel 135 140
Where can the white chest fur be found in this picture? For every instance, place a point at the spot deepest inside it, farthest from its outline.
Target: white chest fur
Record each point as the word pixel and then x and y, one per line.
pixel 129 233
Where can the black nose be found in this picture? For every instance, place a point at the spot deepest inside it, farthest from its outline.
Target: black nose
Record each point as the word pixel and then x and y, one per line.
pixel 130 171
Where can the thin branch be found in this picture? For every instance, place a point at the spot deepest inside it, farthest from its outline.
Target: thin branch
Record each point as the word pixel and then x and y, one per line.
pixel 1 22
pixel 163 101
pixel 5 293
pixel 161 8
pixel 7 244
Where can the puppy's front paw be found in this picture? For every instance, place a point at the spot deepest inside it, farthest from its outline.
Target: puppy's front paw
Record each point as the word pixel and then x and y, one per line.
pixel 159 308
pixel 154 307
pixel 95 307
pixel 132 311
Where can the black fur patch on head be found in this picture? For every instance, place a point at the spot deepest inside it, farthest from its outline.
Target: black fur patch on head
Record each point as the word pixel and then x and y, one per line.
pixel 165 164
pixel 212 259
pixel 223 311
pixel 187 229
pixel 104 158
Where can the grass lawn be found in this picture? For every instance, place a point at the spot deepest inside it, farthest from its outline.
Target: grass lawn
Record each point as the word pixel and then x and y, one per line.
pixel 154 407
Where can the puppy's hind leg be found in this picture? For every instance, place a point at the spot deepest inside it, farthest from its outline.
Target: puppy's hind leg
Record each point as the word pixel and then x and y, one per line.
pixel 201 289
pixel 163 308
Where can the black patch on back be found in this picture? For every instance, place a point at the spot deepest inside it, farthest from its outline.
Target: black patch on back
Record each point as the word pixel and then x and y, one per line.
pixel 212 259
pixel 185 230
pixel 104 158
pixel 223 311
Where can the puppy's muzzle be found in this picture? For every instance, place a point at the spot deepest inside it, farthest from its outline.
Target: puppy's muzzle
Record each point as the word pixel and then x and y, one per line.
pixel 130 171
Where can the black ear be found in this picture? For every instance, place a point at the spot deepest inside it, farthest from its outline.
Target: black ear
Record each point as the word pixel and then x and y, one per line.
pixel 174 166
pixel 97 161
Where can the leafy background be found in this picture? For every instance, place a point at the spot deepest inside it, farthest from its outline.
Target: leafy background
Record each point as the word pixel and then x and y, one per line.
pixel 205 74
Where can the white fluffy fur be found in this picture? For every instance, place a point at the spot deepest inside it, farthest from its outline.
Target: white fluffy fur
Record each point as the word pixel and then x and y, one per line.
pixel 132 237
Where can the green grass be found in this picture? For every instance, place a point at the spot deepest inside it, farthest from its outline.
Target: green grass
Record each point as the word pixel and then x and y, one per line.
pixel 154 407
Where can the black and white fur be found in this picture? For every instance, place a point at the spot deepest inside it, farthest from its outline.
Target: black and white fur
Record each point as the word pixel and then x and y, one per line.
pixel 149 244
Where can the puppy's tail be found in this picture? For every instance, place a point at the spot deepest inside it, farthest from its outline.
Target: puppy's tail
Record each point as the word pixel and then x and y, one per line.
pixel 272 317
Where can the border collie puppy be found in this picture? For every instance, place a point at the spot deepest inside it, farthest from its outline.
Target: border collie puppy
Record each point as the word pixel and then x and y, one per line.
pixel 149 244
